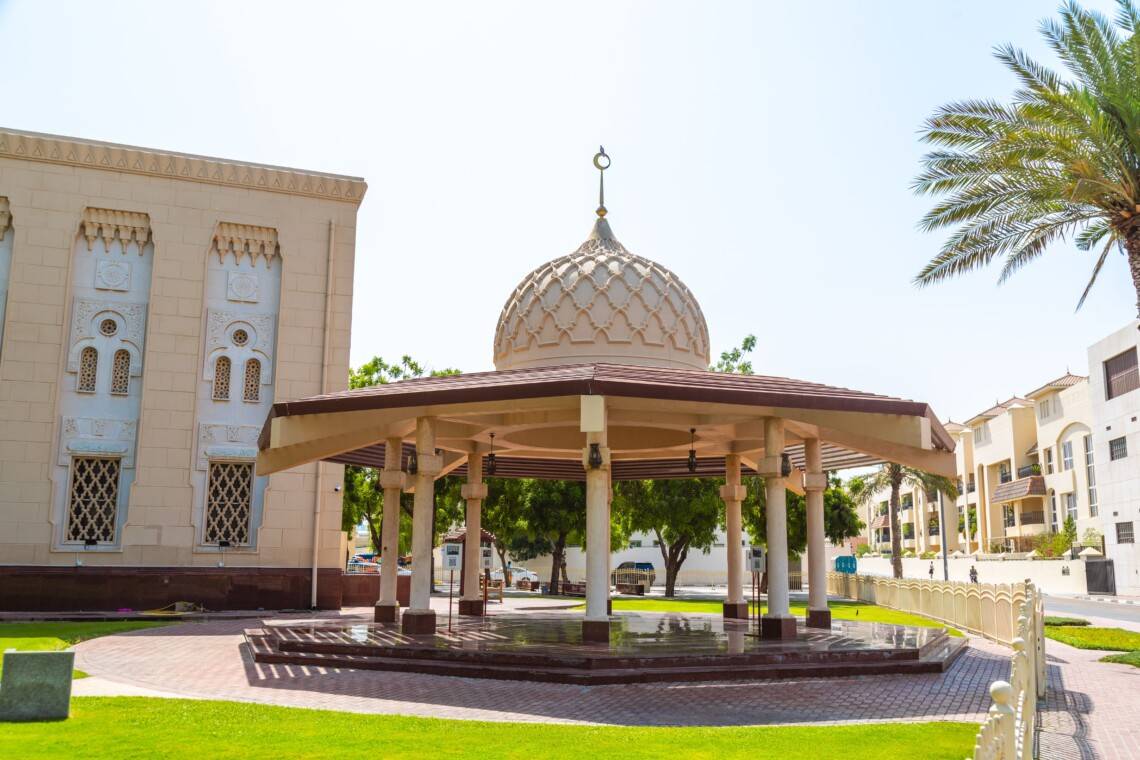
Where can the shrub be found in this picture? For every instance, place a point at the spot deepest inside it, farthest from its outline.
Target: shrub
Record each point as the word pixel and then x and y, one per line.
pixel 909 554
pixel 930 555
pixel 1052 620
pixel 862 550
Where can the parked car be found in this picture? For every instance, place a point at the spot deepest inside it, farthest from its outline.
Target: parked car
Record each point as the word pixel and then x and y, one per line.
pixel 629 568
pixel 517 574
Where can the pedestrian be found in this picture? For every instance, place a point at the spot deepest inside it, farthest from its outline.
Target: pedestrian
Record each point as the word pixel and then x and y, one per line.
pixel 973 574
pixel 931 571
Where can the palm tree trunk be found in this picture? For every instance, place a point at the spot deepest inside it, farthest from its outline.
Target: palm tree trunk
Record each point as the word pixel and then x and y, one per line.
pixel 1132 245
pixel 896 475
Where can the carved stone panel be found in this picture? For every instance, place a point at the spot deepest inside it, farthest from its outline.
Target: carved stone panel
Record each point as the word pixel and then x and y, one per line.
pixel 242 286
pixel 97 436
pixel 222 441
pixel 112 275
pixel 85 324
pixel 221 327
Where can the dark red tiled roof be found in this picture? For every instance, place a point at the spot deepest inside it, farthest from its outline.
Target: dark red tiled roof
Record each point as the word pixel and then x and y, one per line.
pixel 881 521
pixel 1066 380
pixel 609 380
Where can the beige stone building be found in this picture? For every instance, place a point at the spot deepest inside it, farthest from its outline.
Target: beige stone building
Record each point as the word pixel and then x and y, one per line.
pixel 154 306
pixel 1024 465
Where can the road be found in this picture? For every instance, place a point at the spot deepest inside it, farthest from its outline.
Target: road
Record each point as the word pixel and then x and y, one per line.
pixel 1063 605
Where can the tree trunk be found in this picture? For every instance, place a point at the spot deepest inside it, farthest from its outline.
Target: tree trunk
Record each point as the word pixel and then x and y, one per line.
pixel 896 535
pixel 556 563
pixel 502 552
pixel 1132 246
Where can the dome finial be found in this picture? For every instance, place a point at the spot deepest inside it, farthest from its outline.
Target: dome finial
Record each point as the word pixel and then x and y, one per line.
pixel 602 162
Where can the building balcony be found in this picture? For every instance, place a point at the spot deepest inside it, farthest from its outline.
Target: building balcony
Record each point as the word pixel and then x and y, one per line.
pixel 1028 470
pixel 908 543
pixel 1012 490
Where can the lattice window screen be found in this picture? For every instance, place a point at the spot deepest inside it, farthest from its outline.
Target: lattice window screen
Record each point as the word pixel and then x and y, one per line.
pixel 121 372
pixel 88 364
pixel 252 380
pixel 229 496
pixel 222 379
pixel 93 501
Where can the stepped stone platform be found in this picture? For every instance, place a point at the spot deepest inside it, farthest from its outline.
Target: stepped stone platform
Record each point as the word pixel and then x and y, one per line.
pixel 643 648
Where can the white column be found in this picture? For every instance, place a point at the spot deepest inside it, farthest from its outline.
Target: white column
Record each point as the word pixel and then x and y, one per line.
pixel 815 482
pixel 596 624
pixel 732 493
pixel 474 491
pixel 778 622
pixel 429 465
pixel 393 481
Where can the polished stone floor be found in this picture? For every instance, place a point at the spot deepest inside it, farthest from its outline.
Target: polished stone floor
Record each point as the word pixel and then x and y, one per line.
pixel 633 634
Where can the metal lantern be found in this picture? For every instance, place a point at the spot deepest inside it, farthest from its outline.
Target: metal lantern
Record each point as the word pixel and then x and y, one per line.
pixel 413 463
pixel 785 465
pixel 595 457
pixel 692 463
pixel 491 457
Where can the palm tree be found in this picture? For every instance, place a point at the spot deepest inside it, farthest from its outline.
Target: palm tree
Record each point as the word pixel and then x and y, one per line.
pixel 1061 160
pixel 895 476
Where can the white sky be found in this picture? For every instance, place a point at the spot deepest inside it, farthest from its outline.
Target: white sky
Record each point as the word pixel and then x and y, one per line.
pixel 761 151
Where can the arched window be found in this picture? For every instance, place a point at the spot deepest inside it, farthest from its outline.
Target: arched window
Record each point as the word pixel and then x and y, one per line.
pixel 222 379
pixel 88 364
pixel 121 373
pixel 252 380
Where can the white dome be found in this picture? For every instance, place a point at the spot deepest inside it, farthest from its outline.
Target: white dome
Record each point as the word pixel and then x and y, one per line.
pixel 602 304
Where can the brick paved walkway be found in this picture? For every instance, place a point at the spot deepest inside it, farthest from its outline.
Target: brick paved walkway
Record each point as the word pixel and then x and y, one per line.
pixel 208 660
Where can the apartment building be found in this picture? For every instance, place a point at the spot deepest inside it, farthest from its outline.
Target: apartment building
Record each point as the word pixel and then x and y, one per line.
pixel 153 305
pixel 1114 395
pixel 1024 466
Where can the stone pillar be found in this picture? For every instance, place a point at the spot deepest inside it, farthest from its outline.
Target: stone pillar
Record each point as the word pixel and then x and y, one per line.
pixel 393 481
pixel 778 623
pixel 815 482
pixel 733 493
pixel 419 617
pixel 596 625
pixel 474 491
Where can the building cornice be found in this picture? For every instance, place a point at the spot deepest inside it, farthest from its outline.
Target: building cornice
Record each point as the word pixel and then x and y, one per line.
pixel 91 154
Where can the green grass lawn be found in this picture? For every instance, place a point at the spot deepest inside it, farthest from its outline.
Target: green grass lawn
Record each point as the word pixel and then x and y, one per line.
pixel 137 727
pixel 840 610
pixel 52 637
pixel 1114 639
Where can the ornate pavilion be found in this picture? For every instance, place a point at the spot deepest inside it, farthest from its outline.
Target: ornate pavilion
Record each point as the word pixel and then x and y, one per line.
pixel 601 374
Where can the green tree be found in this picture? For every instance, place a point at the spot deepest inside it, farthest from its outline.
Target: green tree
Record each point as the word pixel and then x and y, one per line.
pixel 554 516
pixel 504 514
pixel 735 360
pixel 682 514
pixel 840 515
pixel 1061 160
pixel 894 476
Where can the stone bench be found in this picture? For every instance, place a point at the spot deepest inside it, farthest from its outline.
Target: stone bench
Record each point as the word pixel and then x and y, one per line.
pixel 36 686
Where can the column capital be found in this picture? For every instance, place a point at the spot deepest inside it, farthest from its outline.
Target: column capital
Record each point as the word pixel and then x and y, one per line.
pixel 815 481
pixel 393 479
pixel 429 465
pixel 770 467
pixel 473 491
pixel 733 493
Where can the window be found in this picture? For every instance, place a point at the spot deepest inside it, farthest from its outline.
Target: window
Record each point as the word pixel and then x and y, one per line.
pixel 1009 517
pixel 1118 448
pixel 1066 456
pixel 252 391
pixel 108 327
pixel 1044 409
pixel 93 499
pixel 1053 509
pixel 121 372
pixel 1120 374
pixel 982 433
pixel 240 337
pixel 1071 505
pixel 907 501
pixel 1090 473
pixel 635 543
pixel 1049 460
pixel 222 379
pixel 88 366
pixel 229 495
pixel 1004 474
pixel 1124 533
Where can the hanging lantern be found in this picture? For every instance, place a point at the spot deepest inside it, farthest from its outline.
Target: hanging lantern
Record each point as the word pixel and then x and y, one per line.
pixel 692 464
pixel 785 465
pixel 491 457
pixel 413 463
pixel 595 457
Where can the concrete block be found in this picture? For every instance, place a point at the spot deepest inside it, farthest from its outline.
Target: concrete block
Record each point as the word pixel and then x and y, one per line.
pixel 36 686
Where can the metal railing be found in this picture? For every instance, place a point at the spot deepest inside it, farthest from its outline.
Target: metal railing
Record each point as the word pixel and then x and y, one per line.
pixel 1033 518
pixel 1005 477
pixel 1028 470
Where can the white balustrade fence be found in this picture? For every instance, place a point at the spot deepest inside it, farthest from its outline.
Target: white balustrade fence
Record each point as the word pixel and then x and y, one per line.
pixel 1013 615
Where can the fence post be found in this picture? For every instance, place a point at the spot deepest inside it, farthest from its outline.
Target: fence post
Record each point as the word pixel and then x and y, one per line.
pixel 1001 693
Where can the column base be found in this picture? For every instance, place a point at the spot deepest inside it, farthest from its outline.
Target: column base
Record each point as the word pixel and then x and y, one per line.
pixel 472 607
pixel 417 622
pixel 596 631
pixel 736 610
pixel 387 612
pixel 819 619
pixel 777 628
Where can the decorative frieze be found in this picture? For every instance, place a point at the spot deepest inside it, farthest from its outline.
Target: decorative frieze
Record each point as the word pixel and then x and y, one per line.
pixel 229 442
pixel 242 239
pixel 97 436
pixel 125 158
pixel 108 224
